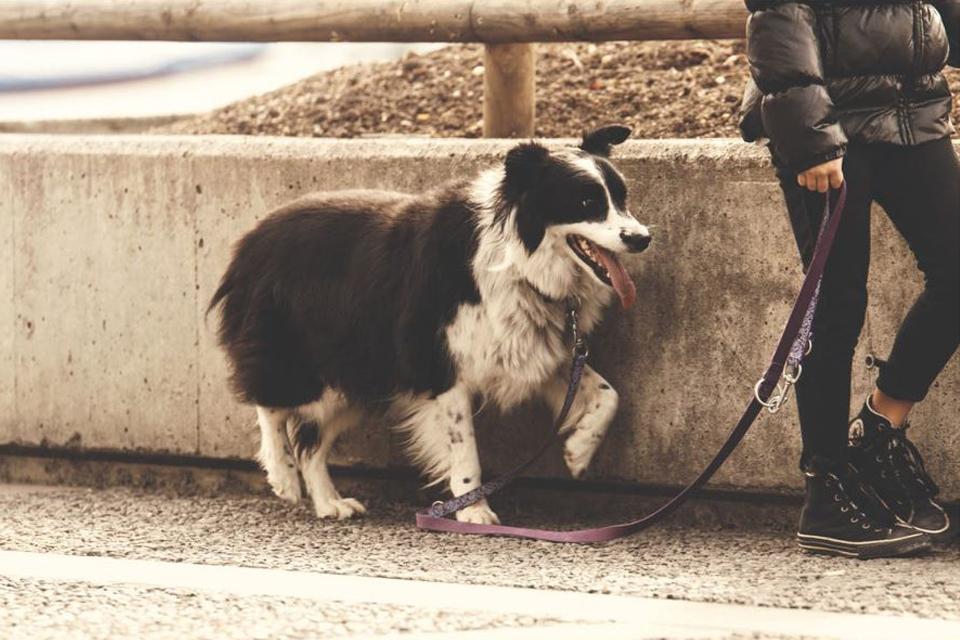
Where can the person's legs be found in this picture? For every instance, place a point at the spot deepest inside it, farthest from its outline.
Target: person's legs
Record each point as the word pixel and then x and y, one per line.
pixel 838 517
pixel 894 409
pixel 919 188
pixel 823 392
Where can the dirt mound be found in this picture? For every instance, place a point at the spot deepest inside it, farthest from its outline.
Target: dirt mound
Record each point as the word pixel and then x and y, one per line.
pixel 661 89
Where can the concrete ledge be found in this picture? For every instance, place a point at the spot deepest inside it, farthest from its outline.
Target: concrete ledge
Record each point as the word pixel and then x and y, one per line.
pixel 110 247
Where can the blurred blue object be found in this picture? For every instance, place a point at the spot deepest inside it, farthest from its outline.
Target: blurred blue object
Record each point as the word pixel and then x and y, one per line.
pixel 36 65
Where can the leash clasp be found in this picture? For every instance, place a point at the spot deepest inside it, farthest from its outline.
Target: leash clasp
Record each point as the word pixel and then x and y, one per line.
pixel 580 348
pixel 781 393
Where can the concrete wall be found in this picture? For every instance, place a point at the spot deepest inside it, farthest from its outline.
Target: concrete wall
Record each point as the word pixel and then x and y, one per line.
pixel 110 248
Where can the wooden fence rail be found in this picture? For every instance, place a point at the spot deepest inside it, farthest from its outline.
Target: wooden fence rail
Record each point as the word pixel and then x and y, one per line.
pixel 487 21
pixel 500 24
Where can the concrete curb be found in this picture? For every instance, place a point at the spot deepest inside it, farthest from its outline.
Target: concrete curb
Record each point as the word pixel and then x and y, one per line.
pixel 110 247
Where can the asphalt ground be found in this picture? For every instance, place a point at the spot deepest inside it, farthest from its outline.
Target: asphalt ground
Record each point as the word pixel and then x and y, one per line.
pixel 749 565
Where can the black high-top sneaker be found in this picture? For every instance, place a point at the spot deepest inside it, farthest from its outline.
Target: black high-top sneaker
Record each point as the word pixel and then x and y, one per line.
pixel 840 518
pixel 893 467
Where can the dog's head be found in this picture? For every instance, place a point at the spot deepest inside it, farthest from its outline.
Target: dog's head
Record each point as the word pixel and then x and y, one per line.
pixel 570 212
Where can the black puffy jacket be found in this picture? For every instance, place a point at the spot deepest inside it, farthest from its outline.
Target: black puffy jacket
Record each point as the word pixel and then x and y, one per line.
pixel 826 72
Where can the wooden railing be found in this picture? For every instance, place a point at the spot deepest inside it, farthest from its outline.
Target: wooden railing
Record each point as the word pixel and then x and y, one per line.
pixel 508 28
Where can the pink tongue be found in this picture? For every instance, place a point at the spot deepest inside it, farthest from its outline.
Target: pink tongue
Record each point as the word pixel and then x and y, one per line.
pixel 619 277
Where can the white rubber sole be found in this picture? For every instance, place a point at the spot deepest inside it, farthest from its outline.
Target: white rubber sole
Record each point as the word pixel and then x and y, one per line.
pixel 903 546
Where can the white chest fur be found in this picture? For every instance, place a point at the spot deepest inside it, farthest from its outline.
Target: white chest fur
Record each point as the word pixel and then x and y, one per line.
pixel 505 352
pixel 508 346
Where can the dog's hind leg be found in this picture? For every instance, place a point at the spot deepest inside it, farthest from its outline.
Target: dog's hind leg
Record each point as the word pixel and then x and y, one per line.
pixel 441 440
pixel 313 440
pixel 276 455
pixel 590 416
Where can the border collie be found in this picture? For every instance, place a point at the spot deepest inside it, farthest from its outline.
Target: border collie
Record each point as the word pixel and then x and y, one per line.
pixel 341 305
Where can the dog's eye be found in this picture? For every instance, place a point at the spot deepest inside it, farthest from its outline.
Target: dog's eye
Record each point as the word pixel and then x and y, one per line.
pixel 586 203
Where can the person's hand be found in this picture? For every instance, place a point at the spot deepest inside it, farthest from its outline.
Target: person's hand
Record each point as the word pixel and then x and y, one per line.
pixel 823 176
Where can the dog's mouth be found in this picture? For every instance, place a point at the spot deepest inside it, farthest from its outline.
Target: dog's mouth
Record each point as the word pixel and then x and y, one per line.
pixel 605 265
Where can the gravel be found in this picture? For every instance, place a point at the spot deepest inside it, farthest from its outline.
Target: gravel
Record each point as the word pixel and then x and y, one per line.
pixel 692 563
pixel 661 89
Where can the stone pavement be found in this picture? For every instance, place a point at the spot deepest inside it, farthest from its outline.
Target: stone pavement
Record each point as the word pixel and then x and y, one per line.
pixel 110 563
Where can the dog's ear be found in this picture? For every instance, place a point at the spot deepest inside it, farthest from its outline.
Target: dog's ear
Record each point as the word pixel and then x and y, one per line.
pixel 524 165
pixel 530 227
pixel 524 168
pixel 599 141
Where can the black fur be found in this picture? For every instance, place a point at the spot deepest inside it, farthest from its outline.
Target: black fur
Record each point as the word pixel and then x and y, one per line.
pixel 306 437
pixel 600 141
pixel 615 184
pixel 350 290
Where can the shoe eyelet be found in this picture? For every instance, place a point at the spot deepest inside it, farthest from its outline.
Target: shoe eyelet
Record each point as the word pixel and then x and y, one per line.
pixel 844 509
pixel 878 458
pixel 854 520
pixel 865 525
pixel 836 497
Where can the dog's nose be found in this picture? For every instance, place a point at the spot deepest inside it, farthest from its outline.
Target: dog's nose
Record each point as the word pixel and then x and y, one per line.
pixel 636 242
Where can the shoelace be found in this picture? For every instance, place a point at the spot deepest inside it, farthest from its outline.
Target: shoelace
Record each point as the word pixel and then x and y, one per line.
pixel 858 515
pixel 908 465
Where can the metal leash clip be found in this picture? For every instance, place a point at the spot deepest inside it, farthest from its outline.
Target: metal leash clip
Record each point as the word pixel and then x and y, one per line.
pixel 580 348
pixel 781 393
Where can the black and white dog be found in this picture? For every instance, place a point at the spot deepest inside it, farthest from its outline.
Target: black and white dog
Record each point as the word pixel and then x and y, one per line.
pixel 344 304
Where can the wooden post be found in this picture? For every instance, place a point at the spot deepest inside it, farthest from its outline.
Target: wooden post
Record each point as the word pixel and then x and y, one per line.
pixel 509 91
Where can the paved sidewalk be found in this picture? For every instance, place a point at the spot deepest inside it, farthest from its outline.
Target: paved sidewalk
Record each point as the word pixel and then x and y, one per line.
pixel 652 585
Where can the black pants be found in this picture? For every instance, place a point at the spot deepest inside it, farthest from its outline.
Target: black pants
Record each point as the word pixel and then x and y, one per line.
pixel 919 189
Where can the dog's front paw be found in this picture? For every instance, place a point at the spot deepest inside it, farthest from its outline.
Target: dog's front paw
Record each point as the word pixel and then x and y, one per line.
pixel 578 451
pixel 285 484
pixel 479 513
pixel 339 508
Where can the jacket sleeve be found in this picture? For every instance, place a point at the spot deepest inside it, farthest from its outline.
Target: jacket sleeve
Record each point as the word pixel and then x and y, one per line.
pixel 950 12
pixel 797 111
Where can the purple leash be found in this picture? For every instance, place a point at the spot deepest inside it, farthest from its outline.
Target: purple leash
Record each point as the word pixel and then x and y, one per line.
pixel 771 392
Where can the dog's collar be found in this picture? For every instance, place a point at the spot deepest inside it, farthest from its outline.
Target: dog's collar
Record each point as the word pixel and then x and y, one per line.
pixel 572 305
